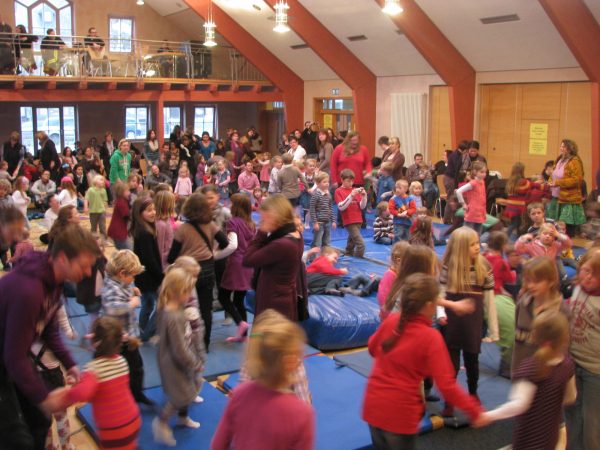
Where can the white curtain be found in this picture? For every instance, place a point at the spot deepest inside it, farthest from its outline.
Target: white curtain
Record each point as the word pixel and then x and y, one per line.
pixel 409 123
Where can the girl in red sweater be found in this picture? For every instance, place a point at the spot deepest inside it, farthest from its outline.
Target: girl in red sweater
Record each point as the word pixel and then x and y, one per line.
pixel 406 350
pixel 105 384
pixel 117 230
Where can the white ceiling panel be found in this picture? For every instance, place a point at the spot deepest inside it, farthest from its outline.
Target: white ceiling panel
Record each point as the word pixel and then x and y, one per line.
pixel 529 43
pixel 167 7
pixel 385 52
pixel 594 6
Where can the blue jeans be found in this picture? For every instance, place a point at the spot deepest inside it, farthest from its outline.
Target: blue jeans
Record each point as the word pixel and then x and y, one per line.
pixel 322 237
pixel 478 227
pixel 122 244
pixel 385 240
pixel 148 315
pixel 582 418
pixel 401 232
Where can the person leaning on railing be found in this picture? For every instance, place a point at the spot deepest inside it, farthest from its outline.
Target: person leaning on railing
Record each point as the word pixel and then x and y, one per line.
pixel 7 63
pixel 23 43
pixel 51 46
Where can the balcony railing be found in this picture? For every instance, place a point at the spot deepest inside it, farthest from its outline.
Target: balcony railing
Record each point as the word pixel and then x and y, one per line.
pixel 73 57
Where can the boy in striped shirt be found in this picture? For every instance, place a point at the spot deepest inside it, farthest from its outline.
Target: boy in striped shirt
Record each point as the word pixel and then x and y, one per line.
pixel 321 211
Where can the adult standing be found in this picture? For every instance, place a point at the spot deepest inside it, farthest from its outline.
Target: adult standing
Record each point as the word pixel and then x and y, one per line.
pixel 325 149
pixel 38 278
pixel 107 149
pixel 276 256
pixel 23 43
pixel 451 175
pixel 470 156
pixel 350 154
pixel 308 139
pixel 175 135
pixel 51 46
pixel 13 152
pixel 48 155
pixel 566 183
pixel 151 149
pixel 421 172
pixel 207 147
pixel 120 163
pixel 7 63
pixel 395 156
pixel 296 150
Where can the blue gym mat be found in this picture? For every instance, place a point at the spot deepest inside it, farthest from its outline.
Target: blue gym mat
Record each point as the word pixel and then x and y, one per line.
pixel 208 414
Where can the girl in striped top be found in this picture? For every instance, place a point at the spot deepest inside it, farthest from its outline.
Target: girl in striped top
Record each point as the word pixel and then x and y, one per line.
pixel 105 384
pixel 542 385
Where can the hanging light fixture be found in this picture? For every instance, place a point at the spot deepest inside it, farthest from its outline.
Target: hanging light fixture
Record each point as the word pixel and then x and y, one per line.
pixel 281 17
pixel 392 7
pixel 140 2
pixel 209 29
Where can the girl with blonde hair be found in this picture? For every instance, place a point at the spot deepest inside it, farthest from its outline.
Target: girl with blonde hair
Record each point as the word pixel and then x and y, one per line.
pixel 179 364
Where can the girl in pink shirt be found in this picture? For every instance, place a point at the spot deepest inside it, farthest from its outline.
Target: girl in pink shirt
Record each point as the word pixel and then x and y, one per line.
pixel 472 197
pixel 385 285
pixel 549 242
pixel 264 413
pixel 183 188
pixel 265 169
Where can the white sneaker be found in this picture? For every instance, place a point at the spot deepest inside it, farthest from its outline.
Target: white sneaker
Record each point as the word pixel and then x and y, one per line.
pixel 199 399
pixel 163 433
pixel 187 422
pixel 228 321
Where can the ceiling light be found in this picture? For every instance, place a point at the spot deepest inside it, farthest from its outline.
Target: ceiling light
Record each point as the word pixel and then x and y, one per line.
pixel 392 7
pixel 209 29
pixel 140 2
pixel 281 17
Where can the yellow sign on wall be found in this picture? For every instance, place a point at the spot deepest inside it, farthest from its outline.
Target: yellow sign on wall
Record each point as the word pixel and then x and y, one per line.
pixel 538 131
pixel 327 120
pixel 538 146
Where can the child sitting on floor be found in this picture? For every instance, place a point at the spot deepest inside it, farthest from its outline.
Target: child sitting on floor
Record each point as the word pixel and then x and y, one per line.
pixel 383 226
pixel 324 278
pixel 549 242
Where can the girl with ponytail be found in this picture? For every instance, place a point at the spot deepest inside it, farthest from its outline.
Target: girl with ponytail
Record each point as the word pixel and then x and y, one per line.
pixel 407 349
pixel 542 385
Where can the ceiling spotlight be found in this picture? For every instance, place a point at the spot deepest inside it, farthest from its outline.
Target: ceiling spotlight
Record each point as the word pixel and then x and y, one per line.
pixel 140 2
pixel 281 17
pixel 392 7
pixel 209 29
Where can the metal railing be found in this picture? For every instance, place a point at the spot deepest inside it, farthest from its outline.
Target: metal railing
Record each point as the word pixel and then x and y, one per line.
pixel 128 58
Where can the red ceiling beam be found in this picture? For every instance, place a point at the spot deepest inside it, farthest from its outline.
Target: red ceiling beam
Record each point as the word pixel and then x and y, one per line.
pixel 580 31
pixel 446 60
pixel 275 70
pixel 118 95
pixel 343 62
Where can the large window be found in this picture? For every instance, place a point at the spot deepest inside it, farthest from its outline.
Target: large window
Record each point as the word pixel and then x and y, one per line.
pixel 120 33
pixel 136 122
pixel 204 119
pixel 60 123
pixel 38 16
pixel 172 117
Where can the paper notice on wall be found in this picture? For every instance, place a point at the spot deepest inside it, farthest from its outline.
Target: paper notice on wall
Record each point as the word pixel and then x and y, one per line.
pixel 538 146
pixel 327 120
pixel 538 131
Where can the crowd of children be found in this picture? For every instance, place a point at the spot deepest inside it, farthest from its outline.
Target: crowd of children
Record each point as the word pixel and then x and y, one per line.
pixel 180 239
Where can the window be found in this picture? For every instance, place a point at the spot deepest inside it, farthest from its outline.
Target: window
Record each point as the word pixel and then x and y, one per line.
pixel 338 103
pixel 60 122
pixel 172 117
pixel 120 33
pixel 39 16
pixel 136 122
pixel 204 119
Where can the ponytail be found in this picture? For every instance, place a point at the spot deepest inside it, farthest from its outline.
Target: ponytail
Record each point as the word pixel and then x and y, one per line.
pixel 417 290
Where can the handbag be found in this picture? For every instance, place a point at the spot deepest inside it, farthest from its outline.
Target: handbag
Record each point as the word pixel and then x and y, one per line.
pixel 53 377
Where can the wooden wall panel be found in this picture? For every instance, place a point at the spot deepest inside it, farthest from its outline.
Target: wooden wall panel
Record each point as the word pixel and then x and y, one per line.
pixel 440 135
pixel 507 110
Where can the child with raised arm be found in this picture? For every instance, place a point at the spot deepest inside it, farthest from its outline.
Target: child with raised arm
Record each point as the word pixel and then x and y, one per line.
pixel 263 412
pixel 402 207
pixel 350 202
pixel 178 362
pixel 471 196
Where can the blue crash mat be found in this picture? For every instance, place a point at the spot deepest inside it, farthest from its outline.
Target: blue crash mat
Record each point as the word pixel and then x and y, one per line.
pixel 208 414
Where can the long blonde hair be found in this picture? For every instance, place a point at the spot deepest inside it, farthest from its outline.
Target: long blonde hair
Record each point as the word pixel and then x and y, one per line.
pixel 164 202
pixel 187 263
pixel 273 338
pixel 177 283
pixel 458 263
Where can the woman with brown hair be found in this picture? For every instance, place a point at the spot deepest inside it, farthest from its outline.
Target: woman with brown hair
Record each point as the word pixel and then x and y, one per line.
pixel 393 155
pixel 566 183
pixel 276 256
pixel 325 149
pixel 350 154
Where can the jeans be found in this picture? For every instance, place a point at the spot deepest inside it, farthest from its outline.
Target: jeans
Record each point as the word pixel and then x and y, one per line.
pixel 386 440
pixel 478 227
pixel 322 237
pixel 385 240
pixel 582 418
pixel 401 232
pixel 148 315
pixel 355 246
pixel 98 221
pixel 365 283
pixel 122 244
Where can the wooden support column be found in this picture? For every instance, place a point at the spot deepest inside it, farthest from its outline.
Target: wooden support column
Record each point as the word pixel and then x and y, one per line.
pixel 580 31
pixel 160 118
pixel 446 60
pixel 344 63
pixel 274 69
